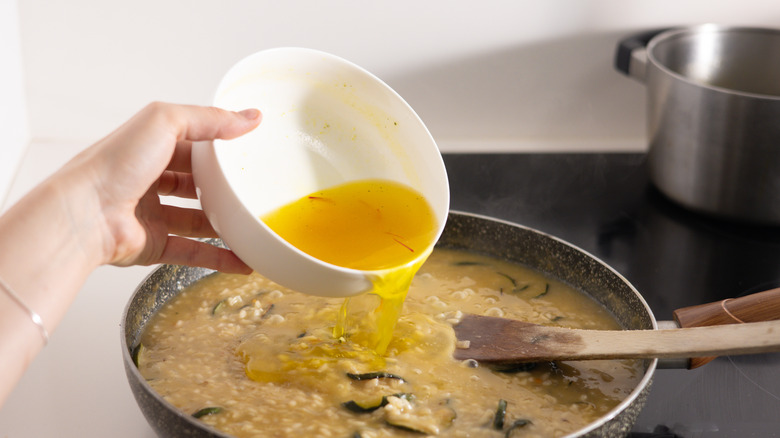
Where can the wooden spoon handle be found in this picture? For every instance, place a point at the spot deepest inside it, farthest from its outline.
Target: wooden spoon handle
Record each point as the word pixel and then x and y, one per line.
pixel 749 338
pixel 498 340
pixel 761 306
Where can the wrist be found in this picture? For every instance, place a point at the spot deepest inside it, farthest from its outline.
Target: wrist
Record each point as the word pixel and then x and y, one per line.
pixel 47 252
pixel 79 210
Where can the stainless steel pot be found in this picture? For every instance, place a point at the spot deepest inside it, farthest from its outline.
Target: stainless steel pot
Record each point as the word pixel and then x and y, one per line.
pixel 713 116
pixel 483 235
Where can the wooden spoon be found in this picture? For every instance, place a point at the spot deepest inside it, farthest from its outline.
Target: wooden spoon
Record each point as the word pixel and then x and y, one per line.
pixel 503 341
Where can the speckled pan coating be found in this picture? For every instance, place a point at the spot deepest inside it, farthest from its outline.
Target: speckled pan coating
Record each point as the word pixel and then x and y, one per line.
pixel 479 234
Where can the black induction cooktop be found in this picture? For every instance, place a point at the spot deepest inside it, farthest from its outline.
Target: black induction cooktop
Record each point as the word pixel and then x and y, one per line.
pixel 605 204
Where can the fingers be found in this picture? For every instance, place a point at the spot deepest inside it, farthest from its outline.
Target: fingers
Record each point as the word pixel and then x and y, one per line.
pixel 209 123
pixel 187 222
pixel 181 161
pixel 154 149
pixel 182 251
pixel 196 123
pixel 176 184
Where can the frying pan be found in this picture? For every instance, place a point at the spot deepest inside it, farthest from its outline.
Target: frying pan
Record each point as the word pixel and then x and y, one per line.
pixel 479 234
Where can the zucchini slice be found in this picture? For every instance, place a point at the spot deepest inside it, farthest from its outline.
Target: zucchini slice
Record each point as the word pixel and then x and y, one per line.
pixel 267 312
pixel 546 290
pixel 136 354
pixel 376 375
pixel 498 419
pixel 220 306
pixel 207 411
pixel 516 425
pixel 358 408
pixel 510 278
pixel 363 408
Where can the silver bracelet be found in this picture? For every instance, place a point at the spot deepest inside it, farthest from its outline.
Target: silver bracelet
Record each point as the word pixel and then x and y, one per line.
pixel 36 319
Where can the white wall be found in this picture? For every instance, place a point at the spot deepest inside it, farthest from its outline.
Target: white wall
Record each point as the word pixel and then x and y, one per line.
pixel 489 74
pixel 13 113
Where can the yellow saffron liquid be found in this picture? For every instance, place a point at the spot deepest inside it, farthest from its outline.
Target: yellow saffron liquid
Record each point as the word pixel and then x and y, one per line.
pixel 372 225
pixel 367 225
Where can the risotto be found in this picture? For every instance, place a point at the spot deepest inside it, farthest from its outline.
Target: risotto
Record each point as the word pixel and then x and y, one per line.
pixel 252 358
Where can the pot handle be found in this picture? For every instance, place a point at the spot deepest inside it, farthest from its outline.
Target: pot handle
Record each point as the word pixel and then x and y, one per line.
pixel 631 54
pixel 761 306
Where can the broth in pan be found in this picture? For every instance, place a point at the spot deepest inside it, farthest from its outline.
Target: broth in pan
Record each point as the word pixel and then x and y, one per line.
pixel 252 358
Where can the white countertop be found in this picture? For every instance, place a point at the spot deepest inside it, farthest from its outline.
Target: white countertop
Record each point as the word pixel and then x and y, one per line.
pixel 77 387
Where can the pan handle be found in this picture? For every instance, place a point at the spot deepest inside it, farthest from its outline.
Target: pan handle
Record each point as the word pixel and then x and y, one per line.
pixel 761 306
pixel 631 56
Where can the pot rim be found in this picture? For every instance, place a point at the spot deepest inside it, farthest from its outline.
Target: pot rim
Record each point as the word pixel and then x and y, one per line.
pixel 709 28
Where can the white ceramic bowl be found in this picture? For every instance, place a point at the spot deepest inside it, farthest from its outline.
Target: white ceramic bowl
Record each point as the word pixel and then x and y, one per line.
pixel 325 121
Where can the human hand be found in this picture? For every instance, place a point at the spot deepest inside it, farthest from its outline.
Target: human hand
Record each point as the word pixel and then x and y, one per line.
pixel 150 156
pixel 103 207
